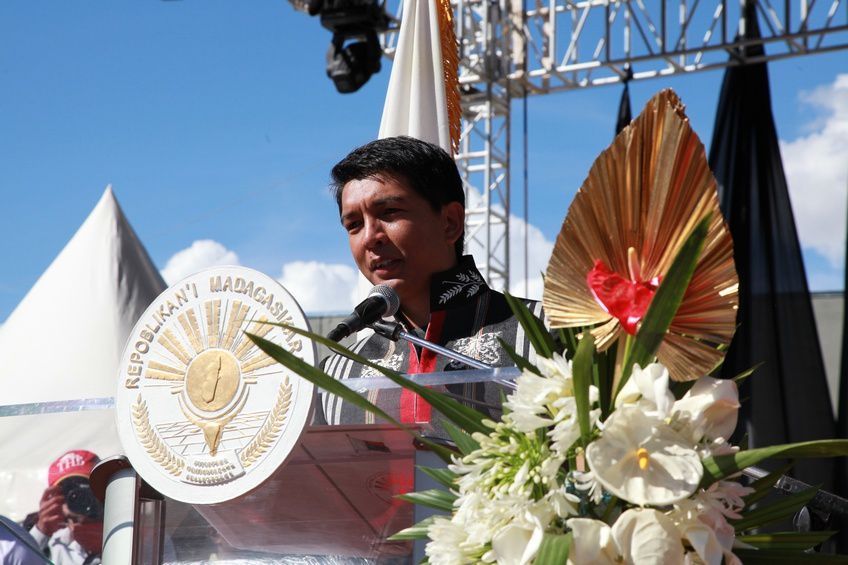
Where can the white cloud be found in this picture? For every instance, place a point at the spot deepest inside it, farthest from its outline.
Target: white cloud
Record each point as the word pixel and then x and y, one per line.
pixel 322 287
pixel 538 253
pixel 816 168
pixel 200 255
pixel 539 250
pixel 317 287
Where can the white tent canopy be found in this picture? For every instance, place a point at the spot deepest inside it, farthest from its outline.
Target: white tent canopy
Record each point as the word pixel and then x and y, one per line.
pixel 63 342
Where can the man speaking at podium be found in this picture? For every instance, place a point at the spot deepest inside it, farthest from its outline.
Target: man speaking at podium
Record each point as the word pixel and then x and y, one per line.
pixel 402 204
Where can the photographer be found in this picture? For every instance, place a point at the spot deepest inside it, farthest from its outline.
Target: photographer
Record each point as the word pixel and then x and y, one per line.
pixel 70 519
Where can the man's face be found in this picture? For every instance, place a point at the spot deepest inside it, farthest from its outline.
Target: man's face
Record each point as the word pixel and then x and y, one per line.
pixel 86 531
pixel 396 237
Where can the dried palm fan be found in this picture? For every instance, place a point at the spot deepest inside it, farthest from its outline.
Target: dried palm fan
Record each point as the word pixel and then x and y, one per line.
pixel 641 200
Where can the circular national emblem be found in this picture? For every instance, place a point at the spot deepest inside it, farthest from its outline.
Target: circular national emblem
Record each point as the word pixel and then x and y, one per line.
pixel 203 414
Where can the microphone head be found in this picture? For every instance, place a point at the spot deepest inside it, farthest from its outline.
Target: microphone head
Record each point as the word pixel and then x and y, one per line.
pixel 388 294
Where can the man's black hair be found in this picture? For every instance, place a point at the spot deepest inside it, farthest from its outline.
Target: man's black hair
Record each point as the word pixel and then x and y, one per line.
pixel 424 167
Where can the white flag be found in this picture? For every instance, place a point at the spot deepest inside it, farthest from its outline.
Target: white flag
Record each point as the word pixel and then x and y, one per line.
pixel 416 102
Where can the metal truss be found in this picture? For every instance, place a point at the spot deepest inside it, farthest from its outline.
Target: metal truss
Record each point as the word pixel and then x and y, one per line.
pixel 577 44
pixel 484 34
pixel 509 50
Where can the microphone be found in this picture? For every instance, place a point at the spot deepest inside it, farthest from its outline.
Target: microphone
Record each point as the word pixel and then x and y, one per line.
pixel 382 301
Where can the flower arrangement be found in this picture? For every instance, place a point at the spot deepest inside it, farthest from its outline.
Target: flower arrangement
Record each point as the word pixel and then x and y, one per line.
pixel 615 445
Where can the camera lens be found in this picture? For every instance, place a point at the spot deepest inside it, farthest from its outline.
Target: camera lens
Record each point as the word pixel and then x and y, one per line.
pixel 80 499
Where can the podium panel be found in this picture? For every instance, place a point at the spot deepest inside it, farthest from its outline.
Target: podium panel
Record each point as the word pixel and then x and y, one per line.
pixel 334 497
pixel 332 502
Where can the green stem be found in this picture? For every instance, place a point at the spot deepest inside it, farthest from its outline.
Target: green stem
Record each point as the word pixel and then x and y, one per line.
pixel 626 367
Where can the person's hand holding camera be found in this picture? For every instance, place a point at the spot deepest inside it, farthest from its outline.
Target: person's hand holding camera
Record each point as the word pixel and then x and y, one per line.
pixel 51 517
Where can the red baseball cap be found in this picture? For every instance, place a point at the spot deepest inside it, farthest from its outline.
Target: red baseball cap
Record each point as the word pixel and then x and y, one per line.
pixel 76 463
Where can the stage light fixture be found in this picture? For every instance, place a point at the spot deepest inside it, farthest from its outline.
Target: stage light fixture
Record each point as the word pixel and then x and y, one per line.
pixel 352 60
pixel 354 53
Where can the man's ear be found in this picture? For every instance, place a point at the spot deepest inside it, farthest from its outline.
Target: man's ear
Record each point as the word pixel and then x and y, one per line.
pixel 453 219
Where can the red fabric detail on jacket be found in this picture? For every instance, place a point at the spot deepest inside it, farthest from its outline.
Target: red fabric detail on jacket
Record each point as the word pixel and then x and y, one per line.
pixel 413 408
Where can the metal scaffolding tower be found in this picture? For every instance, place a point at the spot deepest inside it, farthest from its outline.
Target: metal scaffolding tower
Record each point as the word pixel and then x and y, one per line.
pixel 509 51
pixel 484 34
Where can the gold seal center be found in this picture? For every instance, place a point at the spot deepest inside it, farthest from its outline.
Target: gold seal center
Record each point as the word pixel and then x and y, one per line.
pixel 212 379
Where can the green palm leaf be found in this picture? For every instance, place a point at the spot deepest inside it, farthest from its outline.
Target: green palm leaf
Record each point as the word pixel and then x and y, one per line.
pixel 768 513
pixel 534 329
pixel 762 487
pixel 432 498
pixel 417 531
pixel 721 466
pixel 554 549
pixel 798 541
pixel 777 556
pixel 464 442
pixel 444 477
pixel 581 371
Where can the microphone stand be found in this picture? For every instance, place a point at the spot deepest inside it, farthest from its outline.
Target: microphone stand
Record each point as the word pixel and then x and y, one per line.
pixel 394 331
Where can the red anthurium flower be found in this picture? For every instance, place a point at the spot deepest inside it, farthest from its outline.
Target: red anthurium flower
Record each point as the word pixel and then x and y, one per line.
pixel 622 298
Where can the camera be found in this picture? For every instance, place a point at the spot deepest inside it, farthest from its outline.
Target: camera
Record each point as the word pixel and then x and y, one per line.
pixel 79 498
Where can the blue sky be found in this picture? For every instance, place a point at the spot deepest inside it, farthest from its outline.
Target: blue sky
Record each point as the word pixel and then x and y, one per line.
pixel 214 120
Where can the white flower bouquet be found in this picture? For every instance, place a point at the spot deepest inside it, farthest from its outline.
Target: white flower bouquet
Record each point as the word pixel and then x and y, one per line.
pixel 603 454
